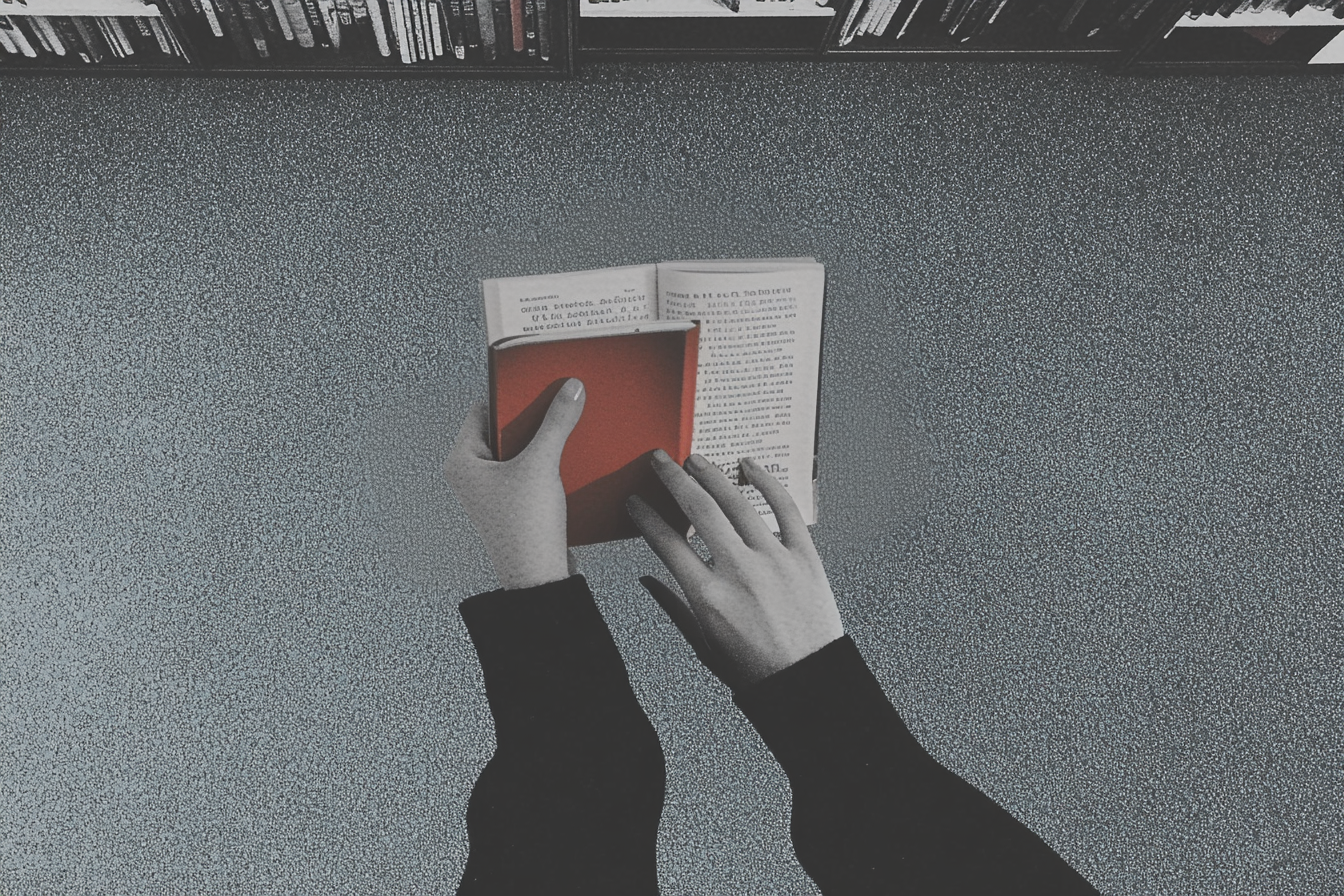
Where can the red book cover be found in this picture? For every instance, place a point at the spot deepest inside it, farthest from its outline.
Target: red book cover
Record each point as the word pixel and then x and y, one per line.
pixel 640 397
pixel 516 15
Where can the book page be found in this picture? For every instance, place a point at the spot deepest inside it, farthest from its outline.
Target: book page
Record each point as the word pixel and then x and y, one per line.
pixel 570 302
pixel 758 379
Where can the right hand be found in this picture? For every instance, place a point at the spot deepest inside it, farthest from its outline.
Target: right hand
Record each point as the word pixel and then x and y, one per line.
pixel 764 603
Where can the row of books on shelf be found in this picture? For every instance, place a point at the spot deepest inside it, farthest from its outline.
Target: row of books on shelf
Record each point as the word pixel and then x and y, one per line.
pixel 1228 8
pixel 278 31
pixel 90 38
pixel 963 20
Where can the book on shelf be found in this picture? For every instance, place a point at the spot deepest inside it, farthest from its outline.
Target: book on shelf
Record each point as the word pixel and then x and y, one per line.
pixel 718 358
pixel 704 8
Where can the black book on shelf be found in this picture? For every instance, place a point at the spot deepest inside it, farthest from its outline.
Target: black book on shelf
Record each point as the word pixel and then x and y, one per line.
pixel 316 24
pixel 530 27
pixel 473 28
pixel 503 27
pixel 177 22
pixel 70 36
pixel 269 16
pixel 544 29
pixel 92 38
pixel 231 21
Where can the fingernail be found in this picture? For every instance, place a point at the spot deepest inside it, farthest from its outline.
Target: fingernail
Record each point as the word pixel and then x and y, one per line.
pixel 574 388
pixel 697 463
pixel 662 456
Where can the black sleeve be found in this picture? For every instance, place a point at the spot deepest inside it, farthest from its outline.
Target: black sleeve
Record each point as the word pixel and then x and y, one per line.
pixel 571 799
pixel 872 811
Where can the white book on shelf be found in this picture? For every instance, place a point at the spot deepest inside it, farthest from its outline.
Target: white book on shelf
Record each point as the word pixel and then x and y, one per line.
pixel 1264 18
pixel 80 8
pixel 678 9
pixel 1330 54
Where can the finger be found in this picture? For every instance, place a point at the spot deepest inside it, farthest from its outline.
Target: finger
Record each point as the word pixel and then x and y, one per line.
pixel 473 438
pixel 746 521
pixel 701 509
pixel 561 417
pixel 792 530
pixel 675 551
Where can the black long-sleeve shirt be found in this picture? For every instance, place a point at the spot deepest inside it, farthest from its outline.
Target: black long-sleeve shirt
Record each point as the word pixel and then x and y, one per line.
pixel 571 800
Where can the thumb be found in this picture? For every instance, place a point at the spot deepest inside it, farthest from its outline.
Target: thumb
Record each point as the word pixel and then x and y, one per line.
pixel 561 417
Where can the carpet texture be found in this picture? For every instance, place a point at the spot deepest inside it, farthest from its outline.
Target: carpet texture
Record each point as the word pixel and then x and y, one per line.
pixel 1081 502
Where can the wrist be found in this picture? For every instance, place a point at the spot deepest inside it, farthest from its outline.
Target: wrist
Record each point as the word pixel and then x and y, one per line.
pixel 528 570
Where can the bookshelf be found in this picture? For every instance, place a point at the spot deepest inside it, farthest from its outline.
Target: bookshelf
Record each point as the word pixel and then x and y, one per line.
pixel 226 37
pixel 350 38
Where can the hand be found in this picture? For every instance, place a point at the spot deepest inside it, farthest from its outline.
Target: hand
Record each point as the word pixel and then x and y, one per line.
pixel 763 603
pixel 518 505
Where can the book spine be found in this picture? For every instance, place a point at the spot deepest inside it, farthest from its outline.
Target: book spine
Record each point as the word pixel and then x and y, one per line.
pixel 230 19
pixel 316 23
pixel 38 34
pixel 544 29
pixel 485 22
pixel 530 26
pixel 379 24
pixel 413 33
pixel 330 21
pixel 32 38
pixel 457 26
pixel 141 36
pixel 345 15
pixel 277 23
pixel 105 30
pixel 472 27
pixel 689 372
pixel 88 33
pixel 7 41
pixel 420 27
pixel 500 10
pixel 65 27
pixel 212 18
pixel 298 22
pixel 516 19
pixel 396 16
pixel 160 34
pixel 247 12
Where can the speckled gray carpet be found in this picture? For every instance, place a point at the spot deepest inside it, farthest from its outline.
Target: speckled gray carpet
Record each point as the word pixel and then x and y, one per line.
pixel 1081 427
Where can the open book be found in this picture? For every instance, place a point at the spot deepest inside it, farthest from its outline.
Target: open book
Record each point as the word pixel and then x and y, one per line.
pixel 717 358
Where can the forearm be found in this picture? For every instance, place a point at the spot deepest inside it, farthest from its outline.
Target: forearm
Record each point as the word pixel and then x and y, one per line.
pixel 872 811
pixel 570 801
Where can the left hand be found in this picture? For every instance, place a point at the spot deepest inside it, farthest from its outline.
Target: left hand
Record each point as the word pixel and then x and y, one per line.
pixel 518 505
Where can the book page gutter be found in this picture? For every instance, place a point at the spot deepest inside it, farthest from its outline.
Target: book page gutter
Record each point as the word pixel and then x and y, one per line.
pixel 573 302
pixel 756 386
